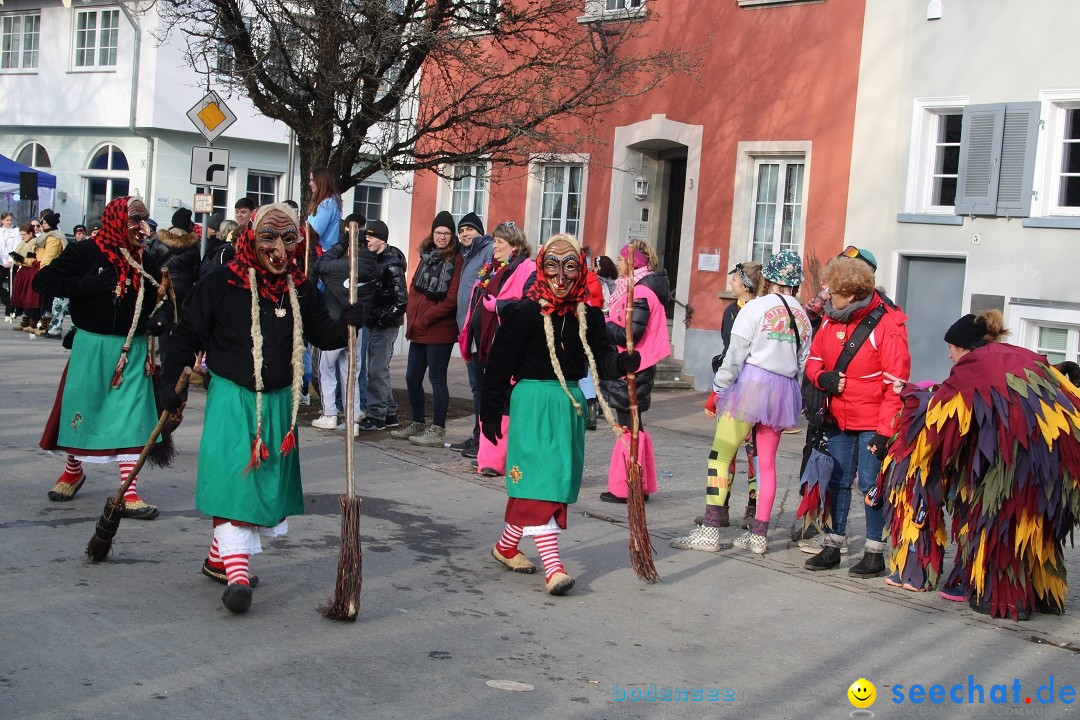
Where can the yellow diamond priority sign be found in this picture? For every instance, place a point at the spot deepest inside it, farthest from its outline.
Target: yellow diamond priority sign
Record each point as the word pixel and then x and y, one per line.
pixel 211 116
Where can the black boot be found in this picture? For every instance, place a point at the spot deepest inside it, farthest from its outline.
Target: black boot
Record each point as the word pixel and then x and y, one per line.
pixel 749 515
pixel 592 409
pixel 827 559
pixel 237 598
pixel 871 565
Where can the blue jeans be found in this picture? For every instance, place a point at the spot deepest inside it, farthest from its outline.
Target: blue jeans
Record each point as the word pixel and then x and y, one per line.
pixel 850 455
pixel 476 383
pixel 430 360
pixel 381 404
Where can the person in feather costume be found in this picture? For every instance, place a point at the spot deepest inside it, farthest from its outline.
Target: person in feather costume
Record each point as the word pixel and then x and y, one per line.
pixel 997 445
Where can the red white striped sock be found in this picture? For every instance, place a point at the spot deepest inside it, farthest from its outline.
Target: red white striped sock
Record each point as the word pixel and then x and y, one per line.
pixel 72 471
pixel 508 543
pixel 125 470
pixel 236 569
pixel 548 547
pixel 215 556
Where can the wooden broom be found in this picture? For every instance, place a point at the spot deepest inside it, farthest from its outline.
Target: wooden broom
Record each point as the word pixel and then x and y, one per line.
pixel 101 543
pixel 345 605
pixel 641 550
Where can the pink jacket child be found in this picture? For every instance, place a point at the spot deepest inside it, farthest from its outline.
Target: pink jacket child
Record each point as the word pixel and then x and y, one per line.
pixel 482 319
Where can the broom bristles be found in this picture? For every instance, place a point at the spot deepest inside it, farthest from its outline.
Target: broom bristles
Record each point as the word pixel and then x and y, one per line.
pixel 641 550
pixel 345 605
pixel 100 544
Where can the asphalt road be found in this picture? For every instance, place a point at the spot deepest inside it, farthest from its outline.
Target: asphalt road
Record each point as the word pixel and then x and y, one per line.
pixel 144 635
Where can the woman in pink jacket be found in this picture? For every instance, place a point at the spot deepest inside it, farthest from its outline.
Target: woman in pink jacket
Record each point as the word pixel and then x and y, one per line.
pixel 649 322
pixel 499 284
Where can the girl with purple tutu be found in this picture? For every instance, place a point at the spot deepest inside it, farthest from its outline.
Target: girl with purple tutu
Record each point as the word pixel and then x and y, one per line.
pixel 757 387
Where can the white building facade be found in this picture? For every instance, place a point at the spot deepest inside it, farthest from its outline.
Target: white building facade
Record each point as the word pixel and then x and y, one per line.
pixel 965 174
pixel 91 97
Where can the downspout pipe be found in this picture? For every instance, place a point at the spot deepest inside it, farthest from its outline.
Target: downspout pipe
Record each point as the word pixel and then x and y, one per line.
pixel 148 193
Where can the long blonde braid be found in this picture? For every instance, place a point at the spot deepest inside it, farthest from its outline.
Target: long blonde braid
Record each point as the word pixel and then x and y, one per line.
pixel 549 336
pixel 118 373
pixel 289 442
pixel 583 334
pixel 258 447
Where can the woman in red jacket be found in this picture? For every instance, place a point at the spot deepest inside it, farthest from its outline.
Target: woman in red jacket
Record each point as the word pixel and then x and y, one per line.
pixel 861 404
pixel 431 328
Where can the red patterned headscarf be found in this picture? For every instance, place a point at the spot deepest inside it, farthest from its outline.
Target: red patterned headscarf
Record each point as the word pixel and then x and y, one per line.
pixel 272 287
pixel 541 289
pixel 114 236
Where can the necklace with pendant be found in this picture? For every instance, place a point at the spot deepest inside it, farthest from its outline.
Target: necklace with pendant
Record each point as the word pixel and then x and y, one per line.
pixel 562 328
pixel 279 311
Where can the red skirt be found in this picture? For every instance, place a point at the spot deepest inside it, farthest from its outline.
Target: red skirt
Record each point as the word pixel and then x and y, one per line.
pixel 525 512
pixel 22 295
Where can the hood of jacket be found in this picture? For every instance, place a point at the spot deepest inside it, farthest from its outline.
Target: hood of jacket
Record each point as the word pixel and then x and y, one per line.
pixel 176 239
pixel 391 256
pixel 479 244
pixel 660 285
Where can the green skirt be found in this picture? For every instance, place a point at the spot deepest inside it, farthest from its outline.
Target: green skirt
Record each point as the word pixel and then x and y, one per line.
pixel 225 487
pixel 545 453
pixel 93 414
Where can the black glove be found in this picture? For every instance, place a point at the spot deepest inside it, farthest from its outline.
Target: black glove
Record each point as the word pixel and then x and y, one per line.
pixel 157 325
pixel 829 382
pixel 878 445
pixel 355 314
pixel 492 430
pixel 32 254
pixel 628 362
pixel 17 257
pixel 170 400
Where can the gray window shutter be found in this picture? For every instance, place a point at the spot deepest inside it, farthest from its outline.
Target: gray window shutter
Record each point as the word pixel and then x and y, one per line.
pixel 1016 177
pixel 980 155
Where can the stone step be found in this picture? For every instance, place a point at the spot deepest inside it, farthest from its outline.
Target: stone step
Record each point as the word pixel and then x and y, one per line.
pixel 670 376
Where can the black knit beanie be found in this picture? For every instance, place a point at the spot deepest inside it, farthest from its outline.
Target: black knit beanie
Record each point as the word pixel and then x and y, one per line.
pixel 181 220
pixel 52 220
pixel 967 332
pixel 444 219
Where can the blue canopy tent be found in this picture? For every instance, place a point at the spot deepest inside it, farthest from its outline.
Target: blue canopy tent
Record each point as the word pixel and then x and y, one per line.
pixel 9 184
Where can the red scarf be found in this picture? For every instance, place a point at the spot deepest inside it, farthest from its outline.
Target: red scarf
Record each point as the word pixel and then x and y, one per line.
pixel 549 303
pixel 113 236
pixel 271 286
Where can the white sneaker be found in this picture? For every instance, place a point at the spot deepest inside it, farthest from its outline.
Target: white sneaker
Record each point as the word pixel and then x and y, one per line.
pixel 702 538
pixel 325 422
pixel 305 399
pixel 753 543
pixel 813 546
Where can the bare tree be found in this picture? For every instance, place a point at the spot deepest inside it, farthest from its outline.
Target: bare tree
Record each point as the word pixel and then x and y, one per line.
pixel 403 85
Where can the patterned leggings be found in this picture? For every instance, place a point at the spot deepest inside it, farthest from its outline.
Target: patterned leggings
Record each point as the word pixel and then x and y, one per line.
pixel 719 483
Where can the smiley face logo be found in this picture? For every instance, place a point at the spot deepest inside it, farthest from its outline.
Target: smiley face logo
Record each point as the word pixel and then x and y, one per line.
pixel 862 693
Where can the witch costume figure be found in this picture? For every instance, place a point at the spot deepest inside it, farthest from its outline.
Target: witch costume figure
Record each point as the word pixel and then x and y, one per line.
pixel 105 406
pixel 251 321
pixel 546 343
pixel 998 445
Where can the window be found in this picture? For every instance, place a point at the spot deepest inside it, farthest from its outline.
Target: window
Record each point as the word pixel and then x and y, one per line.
pixel 468 191
pixel 1058 343
pixel 34 155
pixel 1068 194
pixel 96 38
pixel 19 40
pixel 483 8
pixel 777 210
pixel 106 179
pixel 560 207
pixel 221 202
pixel 262 188
pixel 608 8
pixel 946 155
pixel 997 159
pixel 368 201
pixel 225 58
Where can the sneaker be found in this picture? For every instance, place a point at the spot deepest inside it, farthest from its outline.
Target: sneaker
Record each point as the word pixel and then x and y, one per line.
pixel 392 421
pixel 414 427
pixel 813 547
pixel 371 425
pixel 702 538
pixel 468 443
pixel 305 399
pixel 753 543
pixel 325 422
pixel 434 436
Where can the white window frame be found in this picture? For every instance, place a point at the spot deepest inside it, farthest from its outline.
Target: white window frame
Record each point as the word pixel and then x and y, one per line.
pixel 561 224
pixel 767 3
pixel 109 175
pixel 19 51
pixel 477 198
pixel 785 162
pixel 1025 321
pixel 748 152
pixel 367 187
pixel 925 124
pixel 1048 160
pixel 99 46
pixel 599 10
pixel 262 175
pixel 35 158
pixel 534 192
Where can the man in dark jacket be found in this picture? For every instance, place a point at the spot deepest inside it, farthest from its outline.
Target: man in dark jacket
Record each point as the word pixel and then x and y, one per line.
pixel 476 249
pixel 332 268
pixel 385 317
